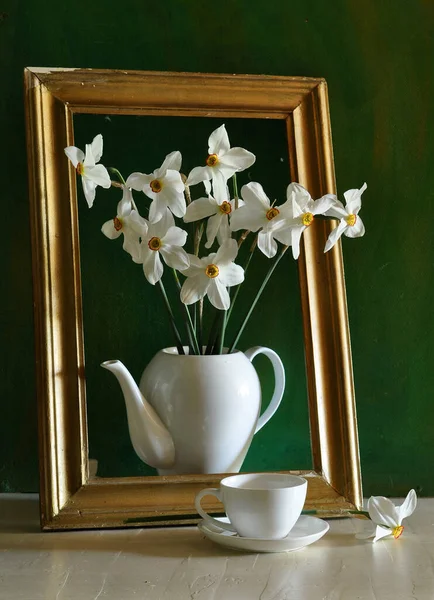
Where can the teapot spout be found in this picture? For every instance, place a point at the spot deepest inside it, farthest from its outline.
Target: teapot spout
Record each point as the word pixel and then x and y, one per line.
pixel 150 438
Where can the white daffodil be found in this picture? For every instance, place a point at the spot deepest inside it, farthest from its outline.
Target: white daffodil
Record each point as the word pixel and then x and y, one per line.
pixel 129 223
pixel 350 224
pixel 304 210
pixel 85 165
pixel 387 517
pixel 259 214
pixel 165 239
pixel 222 162
pixel 212 275
pixel 164 186
pixel 218 213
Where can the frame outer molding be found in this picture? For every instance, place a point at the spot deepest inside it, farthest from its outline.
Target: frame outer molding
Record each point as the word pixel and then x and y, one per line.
pixel 69 500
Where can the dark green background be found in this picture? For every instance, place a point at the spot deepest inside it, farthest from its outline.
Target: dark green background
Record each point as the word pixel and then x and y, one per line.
pixel 377 57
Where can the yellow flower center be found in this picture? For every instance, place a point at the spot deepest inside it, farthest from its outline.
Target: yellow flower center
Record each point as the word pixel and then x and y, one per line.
pixel 307 219
pixel 154 243
pixel 225 208
pixel 212 271
pixel 117 223
pixel 397 531
pixel 351 220
pixel 80 168
pixel 212 160
pixel 156 186
pixel 273 212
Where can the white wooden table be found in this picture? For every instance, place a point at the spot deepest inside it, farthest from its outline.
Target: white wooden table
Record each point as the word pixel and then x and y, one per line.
pixel 179 563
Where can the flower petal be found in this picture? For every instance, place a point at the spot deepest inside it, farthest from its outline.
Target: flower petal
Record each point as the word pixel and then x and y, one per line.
pixel 74 154
pixel 380 533
pixel 300 195
pixel 218 141
pixel 89 188
pixel 321 206
pixel 218 295
pixel 96 147
pixel 110 231
pixel 248 217
pixel 161 227
pixel 226 253
pixel 219 183
pixel 157 208
pixel 224 231
pixel 175 236
pixel 408 506
pixel 132 246
pixel 238 159
pixel 267 244
pixel 89 160
pixel 357 230
pixel 335 234
pixel 382 511
pixel 231 274
pixel 353 199
pixel 137 181
pixel 152 265
pixel 194 288
pixel 254 196
pixel 172 161
pixel 174 199
pixel 199 209
pixel 199 174
pixel 175 257
pixel 296 233
pixel 337 211
pixel 212 227
pixel 99 175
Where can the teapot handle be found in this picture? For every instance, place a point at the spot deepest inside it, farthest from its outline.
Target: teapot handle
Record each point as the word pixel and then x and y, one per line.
pixel 279 385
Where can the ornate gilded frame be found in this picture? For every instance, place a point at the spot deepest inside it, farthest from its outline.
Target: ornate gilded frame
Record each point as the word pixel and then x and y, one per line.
pixel 69 498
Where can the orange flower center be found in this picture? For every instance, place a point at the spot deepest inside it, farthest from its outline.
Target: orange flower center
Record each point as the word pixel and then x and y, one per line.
pixel 212 271
pixel 212 160
pixel 80 168
pixel 397 531
pixel 307 219
pixel 156 186
pixel 273 212
pixel 225 208
pixel 351 220
pixel 117 223
pixel 154 243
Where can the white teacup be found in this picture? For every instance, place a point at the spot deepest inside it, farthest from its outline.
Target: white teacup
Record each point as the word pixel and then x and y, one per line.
pixel 259 505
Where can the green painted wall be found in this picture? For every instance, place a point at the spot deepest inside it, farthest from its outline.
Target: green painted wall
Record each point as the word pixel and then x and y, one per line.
pixel 377 57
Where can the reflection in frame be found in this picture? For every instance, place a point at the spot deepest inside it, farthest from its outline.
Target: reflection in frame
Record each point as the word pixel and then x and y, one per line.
pixel 70 498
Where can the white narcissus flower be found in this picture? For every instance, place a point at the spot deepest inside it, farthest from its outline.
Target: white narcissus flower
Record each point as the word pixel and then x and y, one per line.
pixel 165 239
pixel 222 162
pixel 258 213
pixel 218 213
pixel 304 210
pixel 92 174
pixel 164 187
pixel 129 223
pixel 350 224
pixel 387 517
pixel 212 275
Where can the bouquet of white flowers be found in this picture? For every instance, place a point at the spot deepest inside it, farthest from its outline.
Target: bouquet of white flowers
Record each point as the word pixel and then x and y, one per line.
pixel 157 240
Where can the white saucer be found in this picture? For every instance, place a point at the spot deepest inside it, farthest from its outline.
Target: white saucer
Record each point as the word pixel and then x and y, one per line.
pixel 307 530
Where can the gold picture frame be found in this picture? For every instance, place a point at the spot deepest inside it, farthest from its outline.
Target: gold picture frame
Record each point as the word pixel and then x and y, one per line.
pixel 69 498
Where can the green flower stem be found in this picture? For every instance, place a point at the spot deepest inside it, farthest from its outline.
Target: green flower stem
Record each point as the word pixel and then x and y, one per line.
pixel 199 330
pixel 117 173
pixel 234 181
pixel 255 301
pixel 172 319
pixel 221 337
pixel 237 289
pixel 191 332
pixel 213 333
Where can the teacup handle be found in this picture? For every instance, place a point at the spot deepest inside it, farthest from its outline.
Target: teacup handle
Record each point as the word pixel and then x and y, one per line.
pixel 205 516
pixel 279 379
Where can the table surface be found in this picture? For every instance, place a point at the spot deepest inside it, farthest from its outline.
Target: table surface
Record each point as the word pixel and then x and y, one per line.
pixel 180 563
